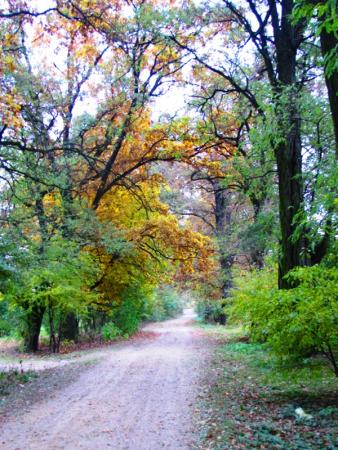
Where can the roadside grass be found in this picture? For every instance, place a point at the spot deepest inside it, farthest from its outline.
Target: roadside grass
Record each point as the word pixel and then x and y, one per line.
pixel 222 333
pixel 251 397
pixel 14 378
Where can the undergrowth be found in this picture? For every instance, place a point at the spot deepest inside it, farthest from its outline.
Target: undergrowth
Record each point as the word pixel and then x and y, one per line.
pixel 252 397
pixel 14 378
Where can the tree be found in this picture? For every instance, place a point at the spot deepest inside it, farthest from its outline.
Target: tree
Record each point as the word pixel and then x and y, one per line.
pixel 324 15
pixel 278 54
pixel 68 172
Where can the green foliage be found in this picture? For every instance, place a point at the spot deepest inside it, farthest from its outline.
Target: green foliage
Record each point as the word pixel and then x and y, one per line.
pixel 56 280
pixel 210 310
pixel 320 15
pixel 252 403
pixel 294 322
pixel 259 237
pixel 128 313
pixel 60 278
pixel 5 327
pixel 14 378
pixel 166 303
pixel 251 300
pixel 8 319
pixel 110 331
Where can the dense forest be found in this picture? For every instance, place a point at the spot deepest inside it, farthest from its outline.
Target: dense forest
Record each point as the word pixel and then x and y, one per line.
pixel 151 148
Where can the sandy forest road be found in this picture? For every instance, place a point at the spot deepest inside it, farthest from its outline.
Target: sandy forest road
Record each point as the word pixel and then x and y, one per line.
pixel 139 397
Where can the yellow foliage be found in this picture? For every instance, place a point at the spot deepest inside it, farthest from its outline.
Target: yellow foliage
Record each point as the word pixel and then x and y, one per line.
pixel 161 248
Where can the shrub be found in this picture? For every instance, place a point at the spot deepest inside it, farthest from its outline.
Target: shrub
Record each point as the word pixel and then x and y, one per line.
pixel 295 322
pixel 172 302
pixel 9 320
pixel 127 315
pixel 127 319
pixel 211 310
pixel 5 327
pixel 110 331
pixel 167 303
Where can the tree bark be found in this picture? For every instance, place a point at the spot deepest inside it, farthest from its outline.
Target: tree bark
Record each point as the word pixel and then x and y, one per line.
pixel 34 320
pixel 289 167
pixel 70 327
pixel 35 313
pixel 223 231
pixel 289 151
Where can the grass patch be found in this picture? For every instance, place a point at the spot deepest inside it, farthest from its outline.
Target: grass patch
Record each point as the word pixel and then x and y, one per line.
pixel 222 333
pixel 251 399
pixel 13 379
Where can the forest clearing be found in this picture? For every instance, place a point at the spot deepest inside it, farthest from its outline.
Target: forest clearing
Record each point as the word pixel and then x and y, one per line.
pixel 168 224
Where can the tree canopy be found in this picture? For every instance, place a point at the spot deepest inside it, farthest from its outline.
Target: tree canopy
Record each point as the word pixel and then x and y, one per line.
pixel 106 199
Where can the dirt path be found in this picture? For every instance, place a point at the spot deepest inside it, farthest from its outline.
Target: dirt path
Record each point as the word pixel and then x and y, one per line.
pixel 139 397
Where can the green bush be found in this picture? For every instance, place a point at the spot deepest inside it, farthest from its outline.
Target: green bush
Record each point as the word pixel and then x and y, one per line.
pixel 127 318
pixel 211 310
pixel 9 320
pixel 167 303
pixel 5 327
pixel 110 331
pixel 127 314
pixel 295 322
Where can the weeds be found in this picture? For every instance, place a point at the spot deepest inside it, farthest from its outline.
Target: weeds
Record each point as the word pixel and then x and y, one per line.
pixel 251 401
pixel 14 378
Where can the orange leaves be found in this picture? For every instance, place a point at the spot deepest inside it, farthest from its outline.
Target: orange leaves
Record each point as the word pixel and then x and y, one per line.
pixel 10 107
pixel 88 52
pixel 161 246
pixel 93 121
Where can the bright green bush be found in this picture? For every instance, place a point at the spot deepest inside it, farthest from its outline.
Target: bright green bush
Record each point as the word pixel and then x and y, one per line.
pixel 128 317
pixel 9 320
pixel 110 331
pixel 128 313
pixel 5 327
pixel 295 322
pixel 251 301
pixel 155 310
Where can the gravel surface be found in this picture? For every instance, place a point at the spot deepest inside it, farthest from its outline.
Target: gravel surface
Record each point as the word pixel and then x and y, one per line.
pixel 141 396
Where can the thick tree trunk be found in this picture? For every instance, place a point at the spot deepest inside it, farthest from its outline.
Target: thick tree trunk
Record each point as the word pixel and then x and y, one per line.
pixel 226 263
pixel 34 320
pixel 70 327
pixel 289 151
pixel 289 166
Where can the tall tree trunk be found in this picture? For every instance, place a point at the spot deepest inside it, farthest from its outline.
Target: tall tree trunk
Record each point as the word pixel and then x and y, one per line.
pixel 223 231
pixel 289 167
pixel 289 151
pixel 35 313
pixel 34 320
pixel 70 327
